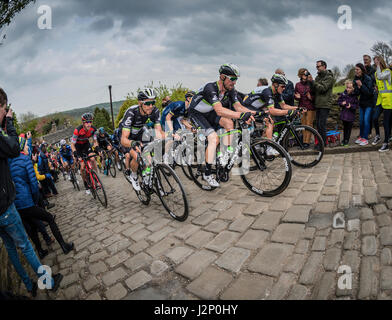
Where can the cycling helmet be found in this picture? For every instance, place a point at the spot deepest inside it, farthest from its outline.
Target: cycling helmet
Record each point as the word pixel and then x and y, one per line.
pixel 229 69
pixel 146 93
pixel 101 130
pixel 87 117
pixel 279 78
pixel 189 94
pixel 63 142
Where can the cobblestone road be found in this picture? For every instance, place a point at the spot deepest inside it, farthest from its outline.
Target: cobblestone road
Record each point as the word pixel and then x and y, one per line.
pixel 234 245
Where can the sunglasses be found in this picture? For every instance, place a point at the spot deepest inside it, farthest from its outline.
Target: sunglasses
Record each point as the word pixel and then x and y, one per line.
pixel 87 122
pixel 149 103
pixel 232 78
pixel 319 66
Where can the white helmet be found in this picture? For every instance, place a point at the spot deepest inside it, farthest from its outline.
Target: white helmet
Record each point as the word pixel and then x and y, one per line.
pixel 146 93
pixel 63 142
pixel 229 69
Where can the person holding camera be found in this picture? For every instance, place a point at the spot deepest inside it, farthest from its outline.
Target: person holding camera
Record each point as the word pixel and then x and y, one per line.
pixel 303 95
pixel 12 230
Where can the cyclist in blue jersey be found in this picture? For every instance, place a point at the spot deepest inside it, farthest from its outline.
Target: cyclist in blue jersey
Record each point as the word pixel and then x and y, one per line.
pixel 66 156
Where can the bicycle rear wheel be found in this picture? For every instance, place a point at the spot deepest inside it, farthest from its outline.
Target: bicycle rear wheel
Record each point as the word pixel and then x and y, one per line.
pixel 112 166
pixel 171 192
pixel 74 180
pixel 99 189
pixel 266 175
pixel 304 145
pixel 196 171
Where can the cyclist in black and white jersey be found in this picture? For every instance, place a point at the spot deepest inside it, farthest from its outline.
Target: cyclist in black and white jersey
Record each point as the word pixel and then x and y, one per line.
pixel 132 127
pixel 210 108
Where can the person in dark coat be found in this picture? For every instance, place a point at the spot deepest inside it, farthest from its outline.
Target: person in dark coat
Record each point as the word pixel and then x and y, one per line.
pixel 363 87
pixel 348 101
pixel 288 92
pixel 43 168
pixel 27 197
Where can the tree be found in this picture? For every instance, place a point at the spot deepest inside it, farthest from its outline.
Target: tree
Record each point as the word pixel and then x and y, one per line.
pixel 8 9
pixel 336 73
pixel 382 49
pixel 348 71
pixel 102 119
pixel 26 117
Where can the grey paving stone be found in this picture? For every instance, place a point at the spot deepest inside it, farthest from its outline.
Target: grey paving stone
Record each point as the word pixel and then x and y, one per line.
pixel 298 292
pixel 186 231
pixel 320 220
pixel 351 241
pixel 325 207
pixel 353 225
pixel 267 221
pixel 302 246
pixel 158 267
pixel 195 264
pixel 336 238
pixel 279 205
pixel 216 226
pixel 368 228
pixel 137 280
pixel 199 239
pixel 386 236
pixel 205 218
pixel 369 245
pixel 389 204
pixel 353 213
pixel 368 284
pixel 223 241
pixel 253 239
pixel 282 287
pixel 161 247
pixel 139 235
pixel 384 220
pixel 306 198
pixel 119 246
pixel 351 258
pixel 160 234
pixel 157 225
pixel 366 214
pixel 112 277
pixel 386 278
pixel 299 214
pixel 331 259
pixel 138 261
pixel 329 191
pixel 73 292
pixel 386 257
pixel 241 224
pixel 256 208
pixel 344 200
pixel 309 233
pixel 235 211
pixel 117 259
pixel 179 254
pixel 97 268
pixel 139 246
pixel 249 286
pixel 326 286
pixel 114 238
pixel 324 198
pixel 295 263
pixel 94 296
pixel 311 270
pixel 210 284
pixel 69 279
pixel 357 200
pixel 319 244
pixel 222 205
pixel 271 259
pixel 91 283
pixel 233 259
pixel 385 190
pixel 288 233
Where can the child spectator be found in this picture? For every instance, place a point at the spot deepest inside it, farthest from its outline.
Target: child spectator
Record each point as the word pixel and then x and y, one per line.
pixel 348 101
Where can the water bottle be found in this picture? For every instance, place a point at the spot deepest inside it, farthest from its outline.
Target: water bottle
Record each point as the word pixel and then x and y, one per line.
pixel 275 136
pixel 146 175
pixel 201 137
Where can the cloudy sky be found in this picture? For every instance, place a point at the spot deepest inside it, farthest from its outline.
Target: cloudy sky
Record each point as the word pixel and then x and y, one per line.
pixel 129 43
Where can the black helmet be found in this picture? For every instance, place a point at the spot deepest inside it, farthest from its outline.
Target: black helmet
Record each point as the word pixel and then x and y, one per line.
pixel 229 69
pixel 87 117
pixel 146 93
pixel 189 94
pixel 279 78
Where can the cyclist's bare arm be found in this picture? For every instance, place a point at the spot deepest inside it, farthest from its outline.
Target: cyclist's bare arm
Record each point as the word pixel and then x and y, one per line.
pixel 285 106
pixel 159 134
pixel 277 112
pixel 224 112
pixel 240 108
pixel 169 122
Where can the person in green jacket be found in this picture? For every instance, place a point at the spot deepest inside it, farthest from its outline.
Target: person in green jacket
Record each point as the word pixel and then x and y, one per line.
pixel 322 89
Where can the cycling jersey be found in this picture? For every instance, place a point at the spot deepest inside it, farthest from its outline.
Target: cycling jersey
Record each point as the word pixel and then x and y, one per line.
pixel 209 95
pixel 115 137
pixel 177 110
pixel 104 141
pixel 81 136
pixel 66 153
pixel 134 122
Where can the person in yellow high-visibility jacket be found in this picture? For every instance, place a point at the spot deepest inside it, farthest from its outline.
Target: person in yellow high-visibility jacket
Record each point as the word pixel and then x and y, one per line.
pixel 384 87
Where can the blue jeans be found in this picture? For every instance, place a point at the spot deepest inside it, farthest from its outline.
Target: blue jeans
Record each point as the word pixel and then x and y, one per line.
pixel 376 114
pixel 365 114
pixel 13 234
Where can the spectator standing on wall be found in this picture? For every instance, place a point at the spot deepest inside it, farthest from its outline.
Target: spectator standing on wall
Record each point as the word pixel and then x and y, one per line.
pixel 288 92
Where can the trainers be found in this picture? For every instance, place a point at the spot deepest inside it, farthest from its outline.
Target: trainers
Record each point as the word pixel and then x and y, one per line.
pixel 211 180
pixel 376 140
pixel 271 151
pixel 119 166
pixel 358 141
pixel 384 147
pixel 364 142
pixel 166 159
pixel 88 191
pixel 135 182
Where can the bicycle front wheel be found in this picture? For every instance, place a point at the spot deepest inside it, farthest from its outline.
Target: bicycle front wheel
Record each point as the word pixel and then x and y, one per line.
pixel 171 192
pixel 268 171
pixel 99 190
pixel 74 180
pixel 112 166
pixel 304 145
